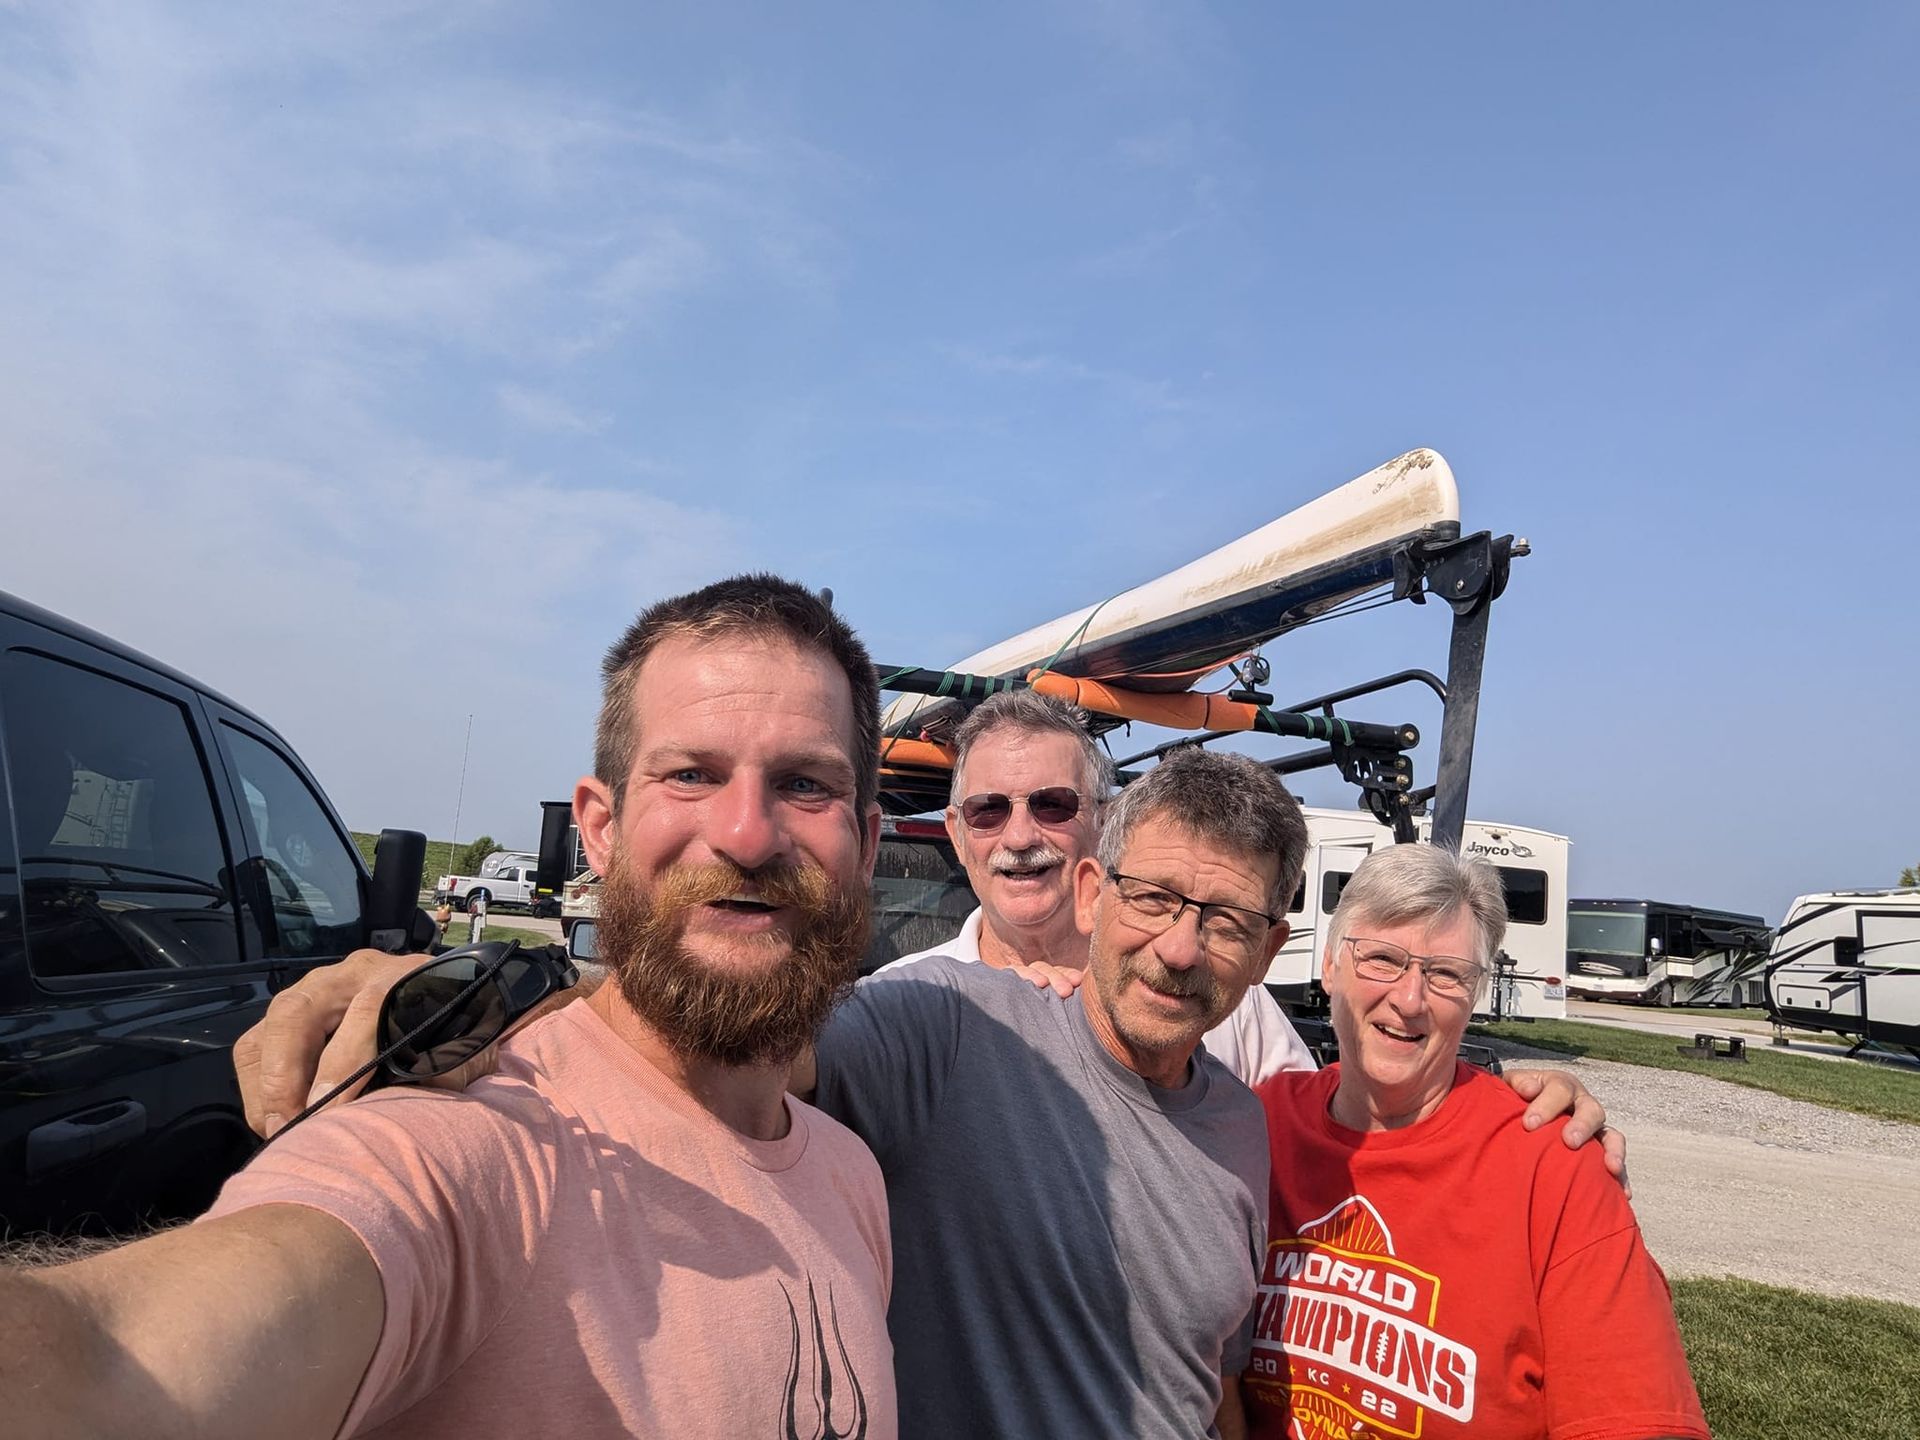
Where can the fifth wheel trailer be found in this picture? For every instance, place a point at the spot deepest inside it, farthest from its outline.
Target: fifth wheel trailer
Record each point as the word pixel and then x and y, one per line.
pixel 1849 961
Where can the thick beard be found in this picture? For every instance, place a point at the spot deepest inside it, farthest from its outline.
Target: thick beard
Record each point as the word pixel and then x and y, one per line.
pixel 756 1017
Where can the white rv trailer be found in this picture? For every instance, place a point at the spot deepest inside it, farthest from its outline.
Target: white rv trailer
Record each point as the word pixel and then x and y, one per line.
pixel 1849 961
pixel 1533 867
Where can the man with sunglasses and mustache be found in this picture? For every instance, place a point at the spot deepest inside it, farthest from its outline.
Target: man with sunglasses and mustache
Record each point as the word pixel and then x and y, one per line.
pixel 631 1228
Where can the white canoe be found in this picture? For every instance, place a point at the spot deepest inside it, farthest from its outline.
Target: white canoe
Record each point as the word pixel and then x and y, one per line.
pixel 1234 598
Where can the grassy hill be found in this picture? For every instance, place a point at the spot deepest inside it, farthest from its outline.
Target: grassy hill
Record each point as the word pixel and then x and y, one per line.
pixel 439 862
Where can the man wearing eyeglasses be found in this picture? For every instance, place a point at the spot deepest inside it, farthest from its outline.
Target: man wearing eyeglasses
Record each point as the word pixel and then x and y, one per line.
pixel 1078 1192
pixel 1028 787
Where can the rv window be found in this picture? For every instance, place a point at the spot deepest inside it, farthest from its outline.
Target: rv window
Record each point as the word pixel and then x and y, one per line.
pixel 1682 943
pixel 1333 885
pixel 122 864
pixel 1526 895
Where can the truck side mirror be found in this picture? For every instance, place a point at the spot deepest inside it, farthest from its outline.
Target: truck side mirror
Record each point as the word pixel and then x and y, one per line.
pixel 395 921
pixel 1653 945
pixel 583 940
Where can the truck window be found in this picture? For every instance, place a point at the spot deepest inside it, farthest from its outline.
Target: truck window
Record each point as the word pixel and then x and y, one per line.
pixel 306 871
pixel 920 899
pixel 12 945
pixel 122 865
pixel 1526 894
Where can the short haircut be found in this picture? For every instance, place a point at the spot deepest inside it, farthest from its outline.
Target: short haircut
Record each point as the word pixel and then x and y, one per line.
pixel 1028 712
pixel 1220 797
pixel 1421 884
pixel 758 605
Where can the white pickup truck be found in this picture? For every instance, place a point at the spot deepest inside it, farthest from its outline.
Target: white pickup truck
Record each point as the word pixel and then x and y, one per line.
pixel 512 885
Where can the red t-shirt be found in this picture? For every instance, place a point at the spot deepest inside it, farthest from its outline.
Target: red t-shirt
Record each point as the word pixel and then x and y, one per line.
pixel 1460 1277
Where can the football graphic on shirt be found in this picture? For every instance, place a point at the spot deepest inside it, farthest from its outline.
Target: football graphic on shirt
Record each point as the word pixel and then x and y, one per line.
pixel 1345 1337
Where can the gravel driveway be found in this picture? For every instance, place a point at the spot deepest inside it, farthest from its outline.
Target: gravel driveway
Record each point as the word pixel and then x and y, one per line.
pixel 1733 1181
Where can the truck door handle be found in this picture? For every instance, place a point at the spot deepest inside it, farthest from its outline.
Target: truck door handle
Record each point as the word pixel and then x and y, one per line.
pixel 79 1137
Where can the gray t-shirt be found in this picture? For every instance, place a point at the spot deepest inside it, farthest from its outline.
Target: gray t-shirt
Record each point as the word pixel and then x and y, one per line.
pixel 1075 1250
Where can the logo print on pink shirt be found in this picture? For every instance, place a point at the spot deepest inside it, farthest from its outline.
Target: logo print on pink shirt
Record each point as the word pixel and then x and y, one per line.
pixel 820 1388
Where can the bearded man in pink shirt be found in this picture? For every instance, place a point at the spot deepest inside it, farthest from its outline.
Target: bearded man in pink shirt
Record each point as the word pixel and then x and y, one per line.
pixel 631 1228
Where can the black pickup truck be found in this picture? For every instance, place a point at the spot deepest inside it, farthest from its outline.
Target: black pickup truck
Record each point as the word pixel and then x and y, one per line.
pixel 166 864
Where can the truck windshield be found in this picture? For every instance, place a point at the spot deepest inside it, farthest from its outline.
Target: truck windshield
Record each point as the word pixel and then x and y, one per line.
pixel 1606 932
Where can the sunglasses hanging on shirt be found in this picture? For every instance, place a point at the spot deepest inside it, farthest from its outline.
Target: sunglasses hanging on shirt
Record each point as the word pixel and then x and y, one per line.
pixel 438 1017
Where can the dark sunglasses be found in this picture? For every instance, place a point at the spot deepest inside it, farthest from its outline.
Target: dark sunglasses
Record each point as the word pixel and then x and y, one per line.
pixel 1054 805
pixel 450 1009
pixel 438 1017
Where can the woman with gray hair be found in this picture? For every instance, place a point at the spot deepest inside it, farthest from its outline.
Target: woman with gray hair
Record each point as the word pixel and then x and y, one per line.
pixel 1433 1268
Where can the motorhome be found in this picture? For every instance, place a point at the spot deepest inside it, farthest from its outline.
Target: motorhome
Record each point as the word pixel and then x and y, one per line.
pixel 1849 961
pixel 1529 978
pixel 1649 952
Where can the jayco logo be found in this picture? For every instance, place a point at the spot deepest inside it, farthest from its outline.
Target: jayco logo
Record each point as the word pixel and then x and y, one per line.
pixel 1512 848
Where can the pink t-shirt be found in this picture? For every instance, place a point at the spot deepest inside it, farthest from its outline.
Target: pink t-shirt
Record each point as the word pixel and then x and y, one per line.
pixel 574 1247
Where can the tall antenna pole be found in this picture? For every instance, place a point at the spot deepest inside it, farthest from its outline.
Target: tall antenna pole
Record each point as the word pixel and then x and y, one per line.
pixel 461 795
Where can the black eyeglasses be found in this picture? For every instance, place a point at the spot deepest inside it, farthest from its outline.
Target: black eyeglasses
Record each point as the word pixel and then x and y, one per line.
pixel 1051 805
pixel 1230 932
pixel 438 1017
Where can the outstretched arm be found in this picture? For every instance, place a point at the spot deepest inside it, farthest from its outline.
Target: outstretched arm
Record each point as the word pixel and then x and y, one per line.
pixel 259 1323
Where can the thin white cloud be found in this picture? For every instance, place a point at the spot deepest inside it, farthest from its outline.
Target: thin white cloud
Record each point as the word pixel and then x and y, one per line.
pixel 539 410
pixel 1145 392
pixel 247 271
pixel 1171 146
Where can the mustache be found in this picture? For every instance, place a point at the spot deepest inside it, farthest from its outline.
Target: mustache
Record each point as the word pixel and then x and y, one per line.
pixel 784 886
pixel 1195 984
pixel 762 1015
pixel 1031 857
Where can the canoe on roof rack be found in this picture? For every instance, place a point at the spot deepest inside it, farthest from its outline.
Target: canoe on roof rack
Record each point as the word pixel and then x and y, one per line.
pixel 1137 655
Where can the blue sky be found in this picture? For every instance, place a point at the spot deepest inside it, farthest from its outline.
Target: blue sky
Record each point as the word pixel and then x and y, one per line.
pixel 376 362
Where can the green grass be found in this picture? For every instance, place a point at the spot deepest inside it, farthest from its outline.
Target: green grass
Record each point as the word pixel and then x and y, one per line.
pixel 1771 1362
pixel 457 934
pixel 1721 1012
pixel 1890 1093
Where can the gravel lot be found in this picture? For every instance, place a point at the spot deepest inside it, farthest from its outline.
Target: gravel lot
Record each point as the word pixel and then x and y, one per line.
pixel 1733 1181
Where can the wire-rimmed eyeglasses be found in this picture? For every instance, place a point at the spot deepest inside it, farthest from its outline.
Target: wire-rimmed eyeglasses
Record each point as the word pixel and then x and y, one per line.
pixel 1384 961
